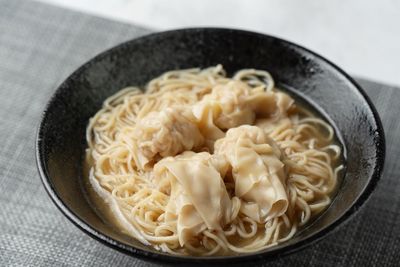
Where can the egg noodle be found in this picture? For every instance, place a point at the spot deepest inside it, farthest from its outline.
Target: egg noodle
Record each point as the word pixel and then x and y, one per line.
pixel 198 163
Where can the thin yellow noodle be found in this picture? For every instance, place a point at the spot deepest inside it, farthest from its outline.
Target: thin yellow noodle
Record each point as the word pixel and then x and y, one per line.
pixel 310 156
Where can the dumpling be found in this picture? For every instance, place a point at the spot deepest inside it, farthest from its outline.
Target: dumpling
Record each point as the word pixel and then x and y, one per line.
pixel 198 197
pixel 270 123
pixel 234 104
pixel 258 171
pixel 165 133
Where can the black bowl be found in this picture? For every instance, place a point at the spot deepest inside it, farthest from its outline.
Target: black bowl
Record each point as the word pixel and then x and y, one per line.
pixel 61 135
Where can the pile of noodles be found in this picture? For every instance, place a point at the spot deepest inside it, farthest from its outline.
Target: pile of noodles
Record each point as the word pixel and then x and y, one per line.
pixel 199 163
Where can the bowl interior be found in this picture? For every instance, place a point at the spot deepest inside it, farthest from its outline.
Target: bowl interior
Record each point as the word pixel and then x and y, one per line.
pixel 61 136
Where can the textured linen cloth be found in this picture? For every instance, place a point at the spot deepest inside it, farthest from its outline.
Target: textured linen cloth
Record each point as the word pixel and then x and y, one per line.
pixel 40 46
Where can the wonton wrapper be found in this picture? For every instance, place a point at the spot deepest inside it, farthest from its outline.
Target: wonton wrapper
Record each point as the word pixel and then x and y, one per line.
pixel 257 170
pixel 235 104
pixel 279 119
pixel 166 133
pixel 198 197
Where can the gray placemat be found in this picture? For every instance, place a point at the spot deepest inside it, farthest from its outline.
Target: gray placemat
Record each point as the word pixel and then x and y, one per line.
pixel 39 46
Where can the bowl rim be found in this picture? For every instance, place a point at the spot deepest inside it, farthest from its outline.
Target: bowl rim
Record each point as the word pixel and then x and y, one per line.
pixel 379 143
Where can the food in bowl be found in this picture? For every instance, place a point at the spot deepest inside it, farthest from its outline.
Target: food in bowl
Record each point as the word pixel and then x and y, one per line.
pixel 202 164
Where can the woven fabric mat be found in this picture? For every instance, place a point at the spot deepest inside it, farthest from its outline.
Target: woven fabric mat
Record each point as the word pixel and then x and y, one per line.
pixel 40 45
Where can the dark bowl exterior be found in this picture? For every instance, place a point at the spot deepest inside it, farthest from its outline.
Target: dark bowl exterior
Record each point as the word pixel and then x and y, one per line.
pixel 61 135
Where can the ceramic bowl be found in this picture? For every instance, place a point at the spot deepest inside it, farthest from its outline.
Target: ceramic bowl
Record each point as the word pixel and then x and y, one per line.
pixel 61 134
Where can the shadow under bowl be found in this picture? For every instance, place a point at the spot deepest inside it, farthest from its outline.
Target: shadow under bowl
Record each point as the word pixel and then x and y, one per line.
pixel 61 135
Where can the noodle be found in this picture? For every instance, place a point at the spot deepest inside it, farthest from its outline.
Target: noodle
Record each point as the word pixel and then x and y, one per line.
pixel 203 164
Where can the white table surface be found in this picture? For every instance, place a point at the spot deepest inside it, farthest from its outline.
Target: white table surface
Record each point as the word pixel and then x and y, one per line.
pixel 361 36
